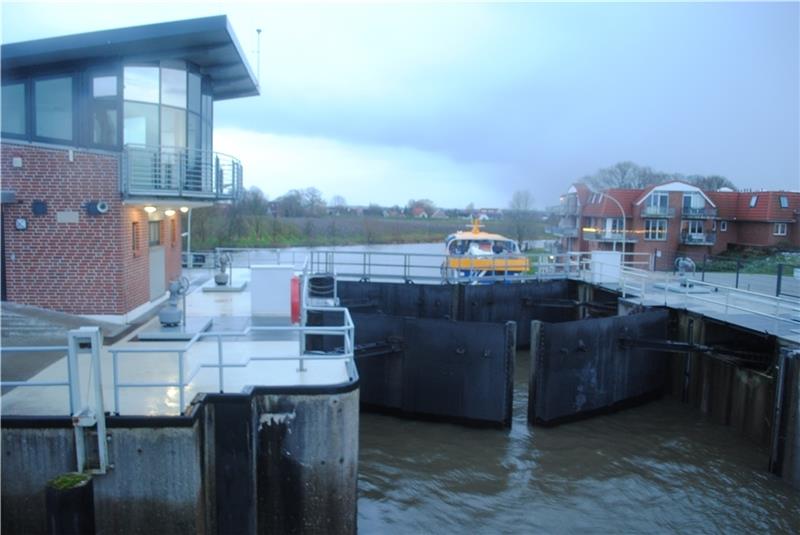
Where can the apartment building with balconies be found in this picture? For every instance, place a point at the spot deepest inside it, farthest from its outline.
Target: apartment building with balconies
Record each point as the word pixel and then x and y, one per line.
pixel 676 219
pixel 107 138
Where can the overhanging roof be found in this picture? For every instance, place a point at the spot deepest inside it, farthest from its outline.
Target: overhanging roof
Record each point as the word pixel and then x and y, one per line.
pixel 208 43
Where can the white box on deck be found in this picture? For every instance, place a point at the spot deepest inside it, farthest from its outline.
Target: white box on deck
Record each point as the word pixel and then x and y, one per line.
pixel 606 266
pixel 270 290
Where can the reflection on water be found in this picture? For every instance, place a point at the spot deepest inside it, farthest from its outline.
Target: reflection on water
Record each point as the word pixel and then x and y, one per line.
pixel 659 467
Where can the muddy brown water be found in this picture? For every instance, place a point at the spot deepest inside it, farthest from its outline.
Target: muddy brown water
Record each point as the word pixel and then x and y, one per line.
pixel 660 467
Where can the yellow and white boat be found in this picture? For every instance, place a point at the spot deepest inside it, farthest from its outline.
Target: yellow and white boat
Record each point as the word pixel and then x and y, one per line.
pixel 473 253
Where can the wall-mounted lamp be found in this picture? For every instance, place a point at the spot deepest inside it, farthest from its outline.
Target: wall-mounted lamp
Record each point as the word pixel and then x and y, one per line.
pixel 149 209
pixel 169 213
pixel 184 209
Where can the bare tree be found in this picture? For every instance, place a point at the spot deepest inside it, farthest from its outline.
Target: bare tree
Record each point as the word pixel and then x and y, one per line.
pixel 337 201
pixel 521 214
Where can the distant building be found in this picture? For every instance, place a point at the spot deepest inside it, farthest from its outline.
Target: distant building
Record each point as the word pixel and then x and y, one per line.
pixel 675 219
pixel 106 139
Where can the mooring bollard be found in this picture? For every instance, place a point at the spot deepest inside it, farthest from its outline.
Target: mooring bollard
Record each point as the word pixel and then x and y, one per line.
pixel 70 505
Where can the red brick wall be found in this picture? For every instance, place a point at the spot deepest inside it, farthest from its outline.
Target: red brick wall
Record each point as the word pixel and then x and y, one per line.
pixel 88 267
pixel 756 233
pixel 136 282
pixel 71 267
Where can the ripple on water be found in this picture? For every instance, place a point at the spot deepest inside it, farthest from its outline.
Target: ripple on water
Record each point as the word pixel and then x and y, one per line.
pixel 659 467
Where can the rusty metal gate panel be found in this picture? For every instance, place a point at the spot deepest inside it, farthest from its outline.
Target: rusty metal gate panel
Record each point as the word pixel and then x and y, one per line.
pixel 437 368
pixel 415 300
pixel 459 370
pixel 521 303
pixel 579 368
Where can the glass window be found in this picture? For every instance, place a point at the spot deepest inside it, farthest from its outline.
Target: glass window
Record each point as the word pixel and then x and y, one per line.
pixel 655 229
pixel 208 108
pixel 14 109
pixel 753 201
pixel 173 127
pixel 173 87
pixel 154 233
pixel 53 108
pixel 104 86
pixel 141 83
pixel 723 226
pixel 783 198
pixel 104 123
pixel 141 123
pixel 780 229
pixel 135 236
pixel 693 226
pixel 194 92
pixel 104 110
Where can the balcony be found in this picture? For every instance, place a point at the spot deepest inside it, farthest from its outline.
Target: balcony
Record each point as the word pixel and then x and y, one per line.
pixel 604 235
pixel 177 172
pixel 564 232
pixel 658 211
pixel 699 213
pixel 698 238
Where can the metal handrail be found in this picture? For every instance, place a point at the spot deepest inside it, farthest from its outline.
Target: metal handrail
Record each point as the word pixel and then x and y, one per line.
pixel 347 353
pixel 180 171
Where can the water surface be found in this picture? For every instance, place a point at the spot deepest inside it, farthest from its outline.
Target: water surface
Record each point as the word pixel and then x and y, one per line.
pixel 661 467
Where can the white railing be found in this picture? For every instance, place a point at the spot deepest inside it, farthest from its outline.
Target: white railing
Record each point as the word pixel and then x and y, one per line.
pixel 185 377
pixel 86 411
pixel 180 172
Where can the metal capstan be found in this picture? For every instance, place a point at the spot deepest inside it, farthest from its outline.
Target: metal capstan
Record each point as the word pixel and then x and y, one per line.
pixel 171 315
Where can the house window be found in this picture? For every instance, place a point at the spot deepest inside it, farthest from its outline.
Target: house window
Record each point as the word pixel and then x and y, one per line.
pixel 104 110
pixel 693 226
pixel 154 233
pixel 780 229
pixel 614 225
pixel 135 245
pixel 655 229
pixel 784 201
pixel 657 203
pixel 723 226
pixel 753 201
pixel 52 98
pixel 13 97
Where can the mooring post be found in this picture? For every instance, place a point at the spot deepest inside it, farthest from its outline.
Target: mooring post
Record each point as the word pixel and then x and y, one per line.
pixel 778 283
pixel 70 505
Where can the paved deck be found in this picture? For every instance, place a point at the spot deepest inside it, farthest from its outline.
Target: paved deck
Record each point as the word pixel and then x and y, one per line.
pixel 230 313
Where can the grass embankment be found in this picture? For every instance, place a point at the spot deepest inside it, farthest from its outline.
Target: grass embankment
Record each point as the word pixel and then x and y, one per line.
pixel 209 231
pixel 757 261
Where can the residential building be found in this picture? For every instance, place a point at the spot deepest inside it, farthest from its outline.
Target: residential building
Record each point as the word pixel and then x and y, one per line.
pixel 675 219
pixel 106 140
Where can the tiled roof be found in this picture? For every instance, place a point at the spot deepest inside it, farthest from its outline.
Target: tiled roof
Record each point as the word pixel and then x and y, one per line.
pixel 608 208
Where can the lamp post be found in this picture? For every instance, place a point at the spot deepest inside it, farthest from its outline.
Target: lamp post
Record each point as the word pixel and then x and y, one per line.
pixel 623 224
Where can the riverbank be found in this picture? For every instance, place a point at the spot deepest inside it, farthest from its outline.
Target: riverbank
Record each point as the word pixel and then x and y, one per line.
pixel 210 230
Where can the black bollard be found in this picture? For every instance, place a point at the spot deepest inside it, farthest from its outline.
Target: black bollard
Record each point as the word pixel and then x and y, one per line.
pixel 70 505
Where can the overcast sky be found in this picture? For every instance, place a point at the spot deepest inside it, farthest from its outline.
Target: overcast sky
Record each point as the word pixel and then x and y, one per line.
pixel 465 103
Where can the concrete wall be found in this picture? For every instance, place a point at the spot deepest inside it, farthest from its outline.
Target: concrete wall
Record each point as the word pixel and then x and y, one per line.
pixel 31 458
pixel 307 463
pixel 155 480
pixel 263 463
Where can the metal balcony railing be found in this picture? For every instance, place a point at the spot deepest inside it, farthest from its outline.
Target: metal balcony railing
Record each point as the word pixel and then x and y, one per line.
pixel 566 232
pixel 603 235
pixel 699 238
pixel 658 211
pixel 180 172
pixel 706 211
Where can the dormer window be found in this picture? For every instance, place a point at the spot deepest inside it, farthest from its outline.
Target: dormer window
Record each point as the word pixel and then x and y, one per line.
pixel 784 201
pixel 753 201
